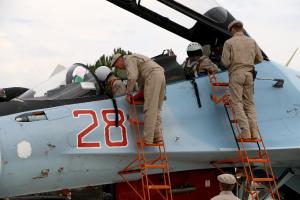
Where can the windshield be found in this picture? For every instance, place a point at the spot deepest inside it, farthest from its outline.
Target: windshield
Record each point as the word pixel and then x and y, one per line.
pixel 74 82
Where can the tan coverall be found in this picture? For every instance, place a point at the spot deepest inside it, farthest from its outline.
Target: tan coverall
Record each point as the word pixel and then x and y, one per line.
pixel 199 64
pixel 225 195
pixel 151 76
pixel 116 86
pixel 206 64
pixel 240 53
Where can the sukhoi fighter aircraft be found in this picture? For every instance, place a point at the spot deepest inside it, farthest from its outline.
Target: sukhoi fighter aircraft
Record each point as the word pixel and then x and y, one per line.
pixel 62 134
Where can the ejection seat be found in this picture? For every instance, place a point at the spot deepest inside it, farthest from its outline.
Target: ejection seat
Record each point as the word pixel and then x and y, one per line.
pixel 173 71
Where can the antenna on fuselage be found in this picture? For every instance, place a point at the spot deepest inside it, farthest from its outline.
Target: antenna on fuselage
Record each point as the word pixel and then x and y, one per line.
pixel 291 58
pixel 278 82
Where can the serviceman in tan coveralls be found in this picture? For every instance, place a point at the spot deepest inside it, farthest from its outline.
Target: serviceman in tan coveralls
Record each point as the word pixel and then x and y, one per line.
pixel 151 76
pixel 113 86
pixel 240 53
pixel 227 184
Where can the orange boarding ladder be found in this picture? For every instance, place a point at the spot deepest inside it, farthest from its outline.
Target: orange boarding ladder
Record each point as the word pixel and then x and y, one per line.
pixel 143 165
pixel 249 160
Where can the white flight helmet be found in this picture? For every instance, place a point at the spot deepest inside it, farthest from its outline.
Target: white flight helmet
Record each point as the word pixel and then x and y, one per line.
pixel 194 46
pixel 102 73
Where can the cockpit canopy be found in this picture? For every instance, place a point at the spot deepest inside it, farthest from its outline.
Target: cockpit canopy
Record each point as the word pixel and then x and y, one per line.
pixel 76 81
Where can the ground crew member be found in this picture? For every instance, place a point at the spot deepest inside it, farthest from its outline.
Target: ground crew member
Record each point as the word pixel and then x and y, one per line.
pixel 151 76
pixel 227 184
pixel 240 53
pixel 196 62
pixel 113 86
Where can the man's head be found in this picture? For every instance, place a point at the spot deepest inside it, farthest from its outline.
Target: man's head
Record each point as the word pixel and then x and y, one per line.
pixel 227 182
pixel 194 49
pixel 235 26
pixel 118 61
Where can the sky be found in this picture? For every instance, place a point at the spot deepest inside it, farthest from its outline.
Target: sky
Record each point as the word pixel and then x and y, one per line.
pixel 36 35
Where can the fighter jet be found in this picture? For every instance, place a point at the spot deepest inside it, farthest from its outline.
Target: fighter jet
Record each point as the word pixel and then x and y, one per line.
pixel 62 134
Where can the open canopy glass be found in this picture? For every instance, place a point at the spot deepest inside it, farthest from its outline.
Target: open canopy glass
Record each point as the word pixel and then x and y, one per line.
pixel 76 81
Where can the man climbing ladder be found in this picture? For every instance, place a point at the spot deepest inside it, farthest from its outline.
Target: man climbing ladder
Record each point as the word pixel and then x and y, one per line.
pixel 150 158
pixel 247 160
pixel 240 53
pixel 151 76
pixel 153 83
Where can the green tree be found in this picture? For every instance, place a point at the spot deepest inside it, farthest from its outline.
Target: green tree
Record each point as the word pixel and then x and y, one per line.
pixel 105 60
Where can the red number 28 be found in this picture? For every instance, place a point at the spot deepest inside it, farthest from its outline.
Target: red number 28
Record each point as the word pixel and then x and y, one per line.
pixel 107 129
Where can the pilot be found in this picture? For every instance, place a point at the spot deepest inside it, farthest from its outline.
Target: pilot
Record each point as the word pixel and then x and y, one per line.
pixel 239 55
pixel 113 86
pixel 152 78
pixel 227 184
pixel 196 63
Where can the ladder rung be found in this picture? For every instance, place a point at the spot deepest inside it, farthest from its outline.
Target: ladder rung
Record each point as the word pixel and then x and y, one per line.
pixel 134 121
pixel 261 179
pixel 162 166
pixel 221 84
pixel 257 160
pixel 249 140
pixel 158 187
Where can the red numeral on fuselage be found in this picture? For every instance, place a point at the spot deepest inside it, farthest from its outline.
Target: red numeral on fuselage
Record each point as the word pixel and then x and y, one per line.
pixel 111 123
pixel 107 129
pixel 86 131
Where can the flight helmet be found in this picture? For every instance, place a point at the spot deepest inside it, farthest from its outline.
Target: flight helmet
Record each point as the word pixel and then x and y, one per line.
pixel 103 73
pixel 194 49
